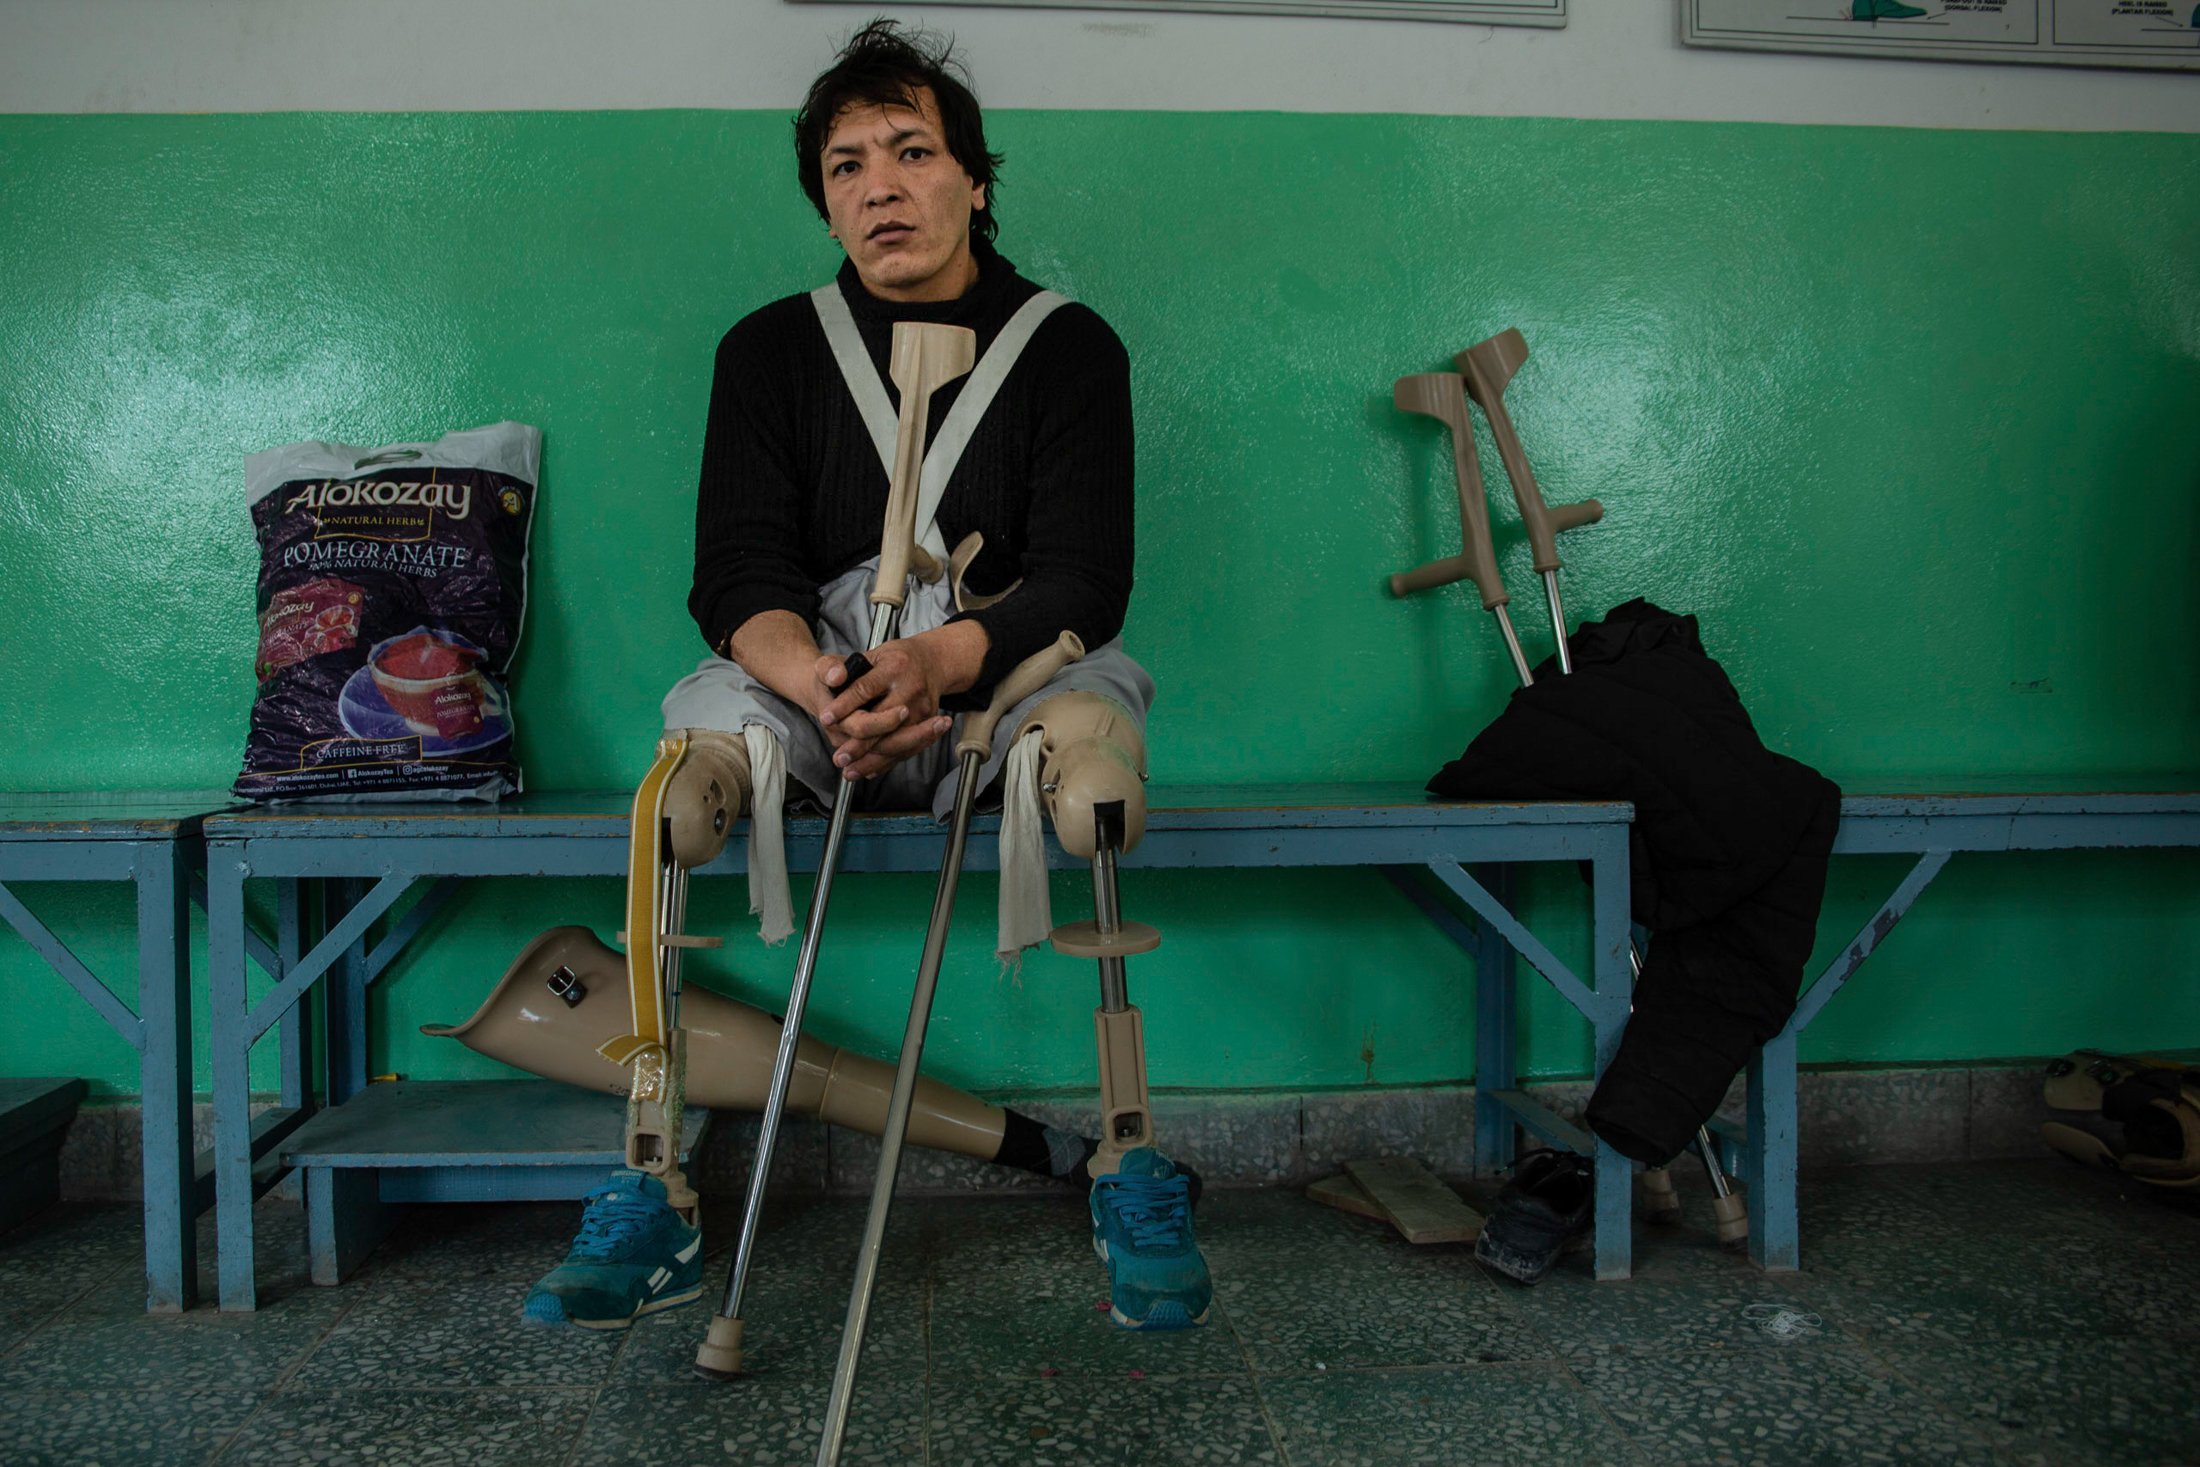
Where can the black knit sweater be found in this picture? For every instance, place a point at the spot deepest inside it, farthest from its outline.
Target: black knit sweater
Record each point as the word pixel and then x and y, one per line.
pixel 792 491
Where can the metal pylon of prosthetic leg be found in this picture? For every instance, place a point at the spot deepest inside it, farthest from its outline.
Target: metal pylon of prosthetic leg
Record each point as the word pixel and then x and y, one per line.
pixel 1030 675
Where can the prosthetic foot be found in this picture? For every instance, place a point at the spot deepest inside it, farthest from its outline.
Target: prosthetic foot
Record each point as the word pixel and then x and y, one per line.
pixel 1092 775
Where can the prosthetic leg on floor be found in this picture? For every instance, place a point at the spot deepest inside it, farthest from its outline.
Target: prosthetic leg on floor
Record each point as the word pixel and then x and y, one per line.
pixel 564 1008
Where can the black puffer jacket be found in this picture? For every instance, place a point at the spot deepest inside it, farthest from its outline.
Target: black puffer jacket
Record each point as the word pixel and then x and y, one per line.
pixel 1728 850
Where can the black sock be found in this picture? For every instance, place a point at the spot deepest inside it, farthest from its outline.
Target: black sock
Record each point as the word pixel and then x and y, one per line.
pixel 1036 1148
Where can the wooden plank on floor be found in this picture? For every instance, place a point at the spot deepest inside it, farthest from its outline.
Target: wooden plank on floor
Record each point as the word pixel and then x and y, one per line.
pixel 1344 1194
pixel 1416 1199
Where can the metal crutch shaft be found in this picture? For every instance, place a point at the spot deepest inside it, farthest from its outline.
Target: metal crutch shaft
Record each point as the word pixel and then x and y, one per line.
pixel 723 1341
pixel 897 1121
pixel 1030 675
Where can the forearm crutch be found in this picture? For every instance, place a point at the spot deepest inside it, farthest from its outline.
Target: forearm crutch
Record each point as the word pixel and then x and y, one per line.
pixel 924 358
pixel 1484 370
pixel 1028 677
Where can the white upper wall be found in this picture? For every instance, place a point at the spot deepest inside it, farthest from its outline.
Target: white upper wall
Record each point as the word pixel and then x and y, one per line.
pixel 1617 59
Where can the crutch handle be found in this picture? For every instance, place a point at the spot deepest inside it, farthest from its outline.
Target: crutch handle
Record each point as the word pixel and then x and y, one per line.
pixel 1026 678
pixel 1443 396
pixel 857 665
pixel 1436 573
pixel 1487 367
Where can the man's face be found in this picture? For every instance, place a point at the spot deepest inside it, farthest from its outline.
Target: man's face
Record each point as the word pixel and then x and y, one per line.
pixel 899 203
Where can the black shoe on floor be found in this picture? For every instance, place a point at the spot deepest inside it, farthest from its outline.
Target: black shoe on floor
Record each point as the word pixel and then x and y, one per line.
pixel 1548 1202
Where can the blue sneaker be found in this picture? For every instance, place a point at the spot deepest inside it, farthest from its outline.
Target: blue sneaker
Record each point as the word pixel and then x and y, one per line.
pixel 1142 1230
pixel 634 1256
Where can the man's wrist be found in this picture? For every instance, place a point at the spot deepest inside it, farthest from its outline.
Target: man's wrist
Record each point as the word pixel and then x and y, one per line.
pixel 958 650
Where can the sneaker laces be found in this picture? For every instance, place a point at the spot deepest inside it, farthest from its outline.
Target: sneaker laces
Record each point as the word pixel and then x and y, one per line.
pixel 1154 1211
pixel 616 1215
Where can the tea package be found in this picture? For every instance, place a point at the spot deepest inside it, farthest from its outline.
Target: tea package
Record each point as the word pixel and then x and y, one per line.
pixel 393 582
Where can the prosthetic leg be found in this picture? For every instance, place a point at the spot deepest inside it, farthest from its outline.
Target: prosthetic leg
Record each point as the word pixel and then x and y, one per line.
pixel 677 823
pixel 1093 779
pixel 1092 759
pixel 639 1245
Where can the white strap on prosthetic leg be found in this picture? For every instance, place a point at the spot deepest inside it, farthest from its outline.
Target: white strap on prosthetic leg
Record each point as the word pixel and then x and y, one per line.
pixel 962 420
pixel 1027 915
pixel 769 899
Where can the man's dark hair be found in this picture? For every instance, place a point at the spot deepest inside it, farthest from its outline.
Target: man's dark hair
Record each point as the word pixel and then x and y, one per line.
pixel 883 67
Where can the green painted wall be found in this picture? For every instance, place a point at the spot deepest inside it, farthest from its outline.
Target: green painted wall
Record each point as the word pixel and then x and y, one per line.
pixel 1907 417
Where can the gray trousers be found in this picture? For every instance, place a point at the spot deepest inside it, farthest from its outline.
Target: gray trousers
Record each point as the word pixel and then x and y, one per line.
pixel 721 695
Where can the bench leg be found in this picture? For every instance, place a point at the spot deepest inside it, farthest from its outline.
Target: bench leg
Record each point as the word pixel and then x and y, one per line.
pixel 345 1017
pixel 1610 937
pixel 1769 1156
pixel 345 1218
pixel 164 1078
pixel 1495 1062
pixel 229 1026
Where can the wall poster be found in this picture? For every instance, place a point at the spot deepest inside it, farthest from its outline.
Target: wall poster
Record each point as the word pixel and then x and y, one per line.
pixel 2160 34
pixel 1476 12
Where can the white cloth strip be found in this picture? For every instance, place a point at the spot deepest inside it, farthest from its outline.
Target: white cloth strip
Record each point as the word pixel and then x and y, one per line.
pixel 1027 915
pixel 769 900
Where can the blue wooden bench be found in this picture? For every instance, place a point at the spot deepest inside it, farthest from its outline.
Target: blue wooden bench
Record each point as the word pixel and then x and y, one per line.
pixel 373 856
pixel 1933 828
pixel 148 840
pixel 369 858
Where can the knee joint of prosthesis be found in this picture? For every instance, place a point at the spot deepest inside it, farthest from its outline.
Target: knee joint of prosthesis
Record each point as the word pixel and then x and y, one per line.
pixel 705 796
pixel 1093 780
pixel 1093 772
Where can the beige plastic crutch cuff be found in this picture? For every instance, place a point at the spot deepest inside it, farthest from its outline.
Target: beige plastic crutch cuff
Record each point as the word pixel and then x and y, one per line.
pixel 1487 367
pixel 1443 396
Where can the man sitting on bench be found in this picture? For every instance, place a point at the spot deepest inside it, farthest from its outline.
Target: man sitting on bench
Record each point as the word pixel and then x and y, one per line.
pixel 1034 449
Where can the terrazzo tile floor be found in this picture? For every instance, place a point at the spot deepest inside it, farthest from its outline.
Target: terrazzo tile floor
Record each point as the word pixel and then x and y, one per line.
pixel 1987 1313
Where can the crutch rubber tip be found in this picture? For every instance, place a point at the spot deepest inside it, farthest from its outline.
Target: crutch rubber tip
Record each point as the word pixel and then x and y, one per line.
pixel 1732 1212
pixel 719 1356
